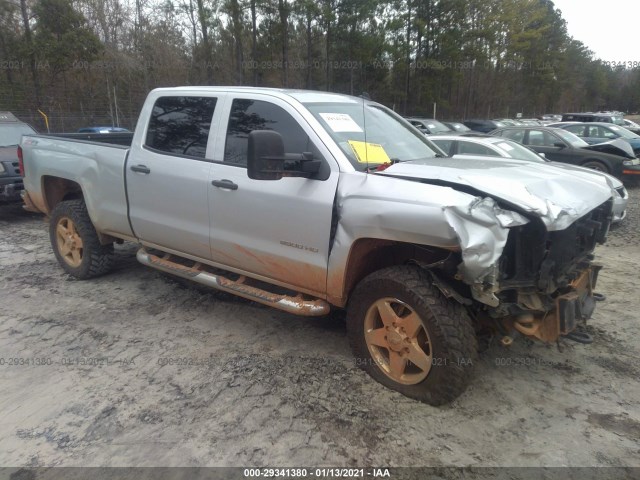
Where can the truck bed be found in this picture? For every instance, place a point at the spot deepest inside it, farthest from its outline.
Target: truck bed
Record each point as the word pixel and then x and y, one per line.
pixel 95 161
pixel 123 139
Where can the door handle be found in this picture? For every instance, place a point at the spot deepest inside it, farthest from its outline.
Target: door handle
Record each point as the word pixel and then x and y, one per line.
pixel 141 169
pixel 224 183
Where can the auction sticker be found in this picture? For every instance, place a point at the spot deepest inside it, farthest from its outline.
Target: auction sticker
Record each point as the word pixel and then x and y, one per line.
pixel 341 122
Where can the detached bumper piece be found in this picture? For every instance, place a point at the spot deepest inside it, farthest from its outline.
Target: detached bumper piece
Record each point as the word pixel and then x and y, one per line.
pixel 571 308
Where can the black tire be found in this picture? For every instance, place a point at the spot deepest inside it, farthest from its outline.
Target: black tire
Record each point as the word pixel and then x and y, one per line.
pixel 596 165
pixel 94 259
pixel 453 344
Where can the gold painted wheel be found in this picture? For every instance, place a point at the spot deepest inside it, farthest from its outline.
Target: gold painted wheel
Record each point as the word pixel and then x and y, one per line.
pixel 69 242
pixel 397 340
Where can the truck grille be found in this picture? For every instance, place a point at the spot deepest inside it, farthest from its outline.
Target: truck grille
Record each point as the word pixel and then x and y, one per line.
pixel 568 249
pixel 534 257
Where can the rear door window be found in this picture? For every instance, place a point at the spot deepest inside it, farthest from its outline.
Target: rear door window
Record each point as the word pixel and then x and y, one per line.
pixel 180 125
pixel 515 135
pixel 470 148
pixel 445 145
pixel 577 130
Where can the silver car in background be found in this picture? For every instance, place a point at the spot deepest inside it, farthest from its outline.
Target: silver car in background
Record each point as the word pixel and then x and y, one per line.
pixel 463 146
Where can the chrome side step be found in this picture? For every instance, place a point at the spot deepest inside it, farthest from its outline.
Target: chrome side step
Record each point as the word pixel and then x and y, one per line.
pixel 297 305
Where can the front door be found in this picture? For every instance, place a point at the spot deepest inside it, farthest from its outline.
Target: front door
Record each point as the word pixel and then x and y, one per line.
pixel 553 147
pixel 277 229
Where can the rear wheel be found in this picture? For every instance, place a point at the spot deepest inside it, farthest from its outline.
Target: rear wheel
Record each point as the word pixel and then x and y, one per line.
pixel 409 337
pixel 75 241
pixel 595 165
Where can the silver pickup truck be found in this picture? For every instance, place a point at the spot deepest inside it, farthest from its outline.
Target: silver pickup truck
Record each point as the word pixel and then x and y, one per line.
pixel 310 201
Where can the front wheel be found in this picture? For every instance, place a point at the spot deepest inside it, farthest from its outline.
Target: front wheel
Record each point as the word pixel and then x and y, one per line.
pixel 409 337
pixel 75 241
pixel 595 165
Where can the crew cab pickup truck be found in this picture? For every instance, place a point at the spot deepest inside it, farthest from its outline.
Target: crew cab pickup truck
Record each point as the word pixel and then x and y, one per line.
pixel 310 201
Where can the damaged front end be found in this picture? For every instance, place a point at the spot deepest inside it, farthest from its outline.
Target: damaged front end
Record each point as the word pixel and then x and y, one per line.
pixel 526 240
pixel 542 284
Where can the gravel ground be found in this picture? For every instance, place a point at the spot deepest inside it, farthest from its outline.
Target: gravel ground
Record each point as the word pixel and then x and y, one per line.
pixel 136 368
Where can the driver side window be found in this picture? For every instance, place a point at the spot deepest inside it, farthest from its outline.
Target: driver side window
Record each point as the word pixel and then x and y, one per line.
pixel 248 115
pixel 180 125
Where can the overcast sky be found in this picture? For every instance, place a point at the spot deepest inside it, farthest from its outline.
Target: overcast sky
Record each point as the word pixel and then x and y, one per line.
pixel 607 27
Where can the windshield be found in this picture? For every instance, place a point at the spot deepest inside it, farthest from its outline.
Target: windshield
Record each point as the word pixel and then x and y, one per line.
pixel 518 152
pixel 624 133
pixel 10 134
pixel 570 138
pixel 371 134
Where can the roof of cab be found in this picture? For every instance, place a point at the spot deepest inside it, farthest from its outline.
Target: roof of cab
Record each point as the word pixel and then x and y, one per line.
pixel 303 96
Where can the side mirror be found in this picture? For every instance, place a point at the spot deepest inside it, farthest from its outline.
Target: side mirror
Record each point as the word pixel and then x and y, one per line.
pixel 265 155
pixel 559 145
pixel 266 159
pixel 542 155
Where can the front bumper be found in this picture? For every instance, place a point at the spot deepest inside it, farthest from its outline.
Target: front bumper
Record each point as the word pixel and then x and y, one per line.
pixel 631 169
pixel 574 306
pixel 620 205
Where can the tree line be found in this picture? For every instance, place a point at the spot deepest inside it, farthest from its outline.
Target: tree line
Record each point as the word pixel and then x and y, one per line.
pixel 83 62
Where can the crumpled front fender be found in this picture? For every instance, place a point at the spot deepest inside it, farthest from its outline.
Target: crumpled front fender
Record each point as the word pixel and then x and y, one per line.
pixel 482 229
pixel 398 210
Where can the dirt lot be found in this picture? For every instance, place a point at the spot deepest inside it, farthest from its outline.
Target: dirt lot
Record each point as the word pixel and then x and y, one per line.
pixel 135 368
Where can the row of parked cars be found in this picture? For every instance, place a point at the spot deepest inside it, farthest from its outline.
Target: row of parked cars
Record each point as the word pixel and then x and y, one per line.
pixel 597 141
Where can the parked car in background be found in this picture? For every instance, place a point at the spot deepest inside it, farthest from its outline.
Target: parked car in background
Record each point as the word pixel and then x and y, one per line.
pixel 429 126
pixel 485 145
pixel 483 126
pixel 614 157
pixel 11 131
pixel 463 146
pixel 593 117
pixel 551 117
pixel 595 132
pixel 631 125
pixel 458 127
pixel 104 130
pixel 529 121
pixel 507 121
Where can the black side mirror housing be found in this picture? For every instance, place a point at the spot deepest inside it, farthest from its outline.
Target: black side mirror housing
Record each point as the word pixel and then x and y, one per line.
pixel 265 155
pixel 559 145
pixel 266 159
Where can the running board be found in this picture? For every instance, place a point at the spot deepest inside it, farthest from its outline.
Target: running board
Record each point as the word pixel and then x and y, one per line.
pixel 297 305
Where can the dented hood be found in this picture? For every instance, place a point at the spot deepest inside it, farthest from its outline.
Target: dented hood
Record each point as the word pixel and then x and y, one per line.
pixel 618 147
pixel 557 195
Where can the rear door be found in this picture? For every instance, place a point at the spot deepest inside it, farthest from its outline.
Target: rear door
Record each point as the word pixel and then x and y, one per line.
pixel 276 229
pixel 168 178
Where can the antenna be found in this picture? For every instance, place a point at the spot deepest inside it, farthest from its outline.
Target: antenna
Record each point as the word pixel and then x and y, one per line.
pixel 364 128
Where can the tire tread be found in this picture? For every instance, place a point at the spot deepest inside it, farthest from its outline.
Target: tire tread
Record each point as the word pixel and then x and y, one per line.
pixel 450 322
pixel 97 259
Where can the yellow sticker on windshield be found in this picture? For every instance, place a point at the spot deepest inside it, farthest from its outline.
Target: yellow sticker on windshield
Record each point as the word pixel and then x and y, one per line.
pixel 369 152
